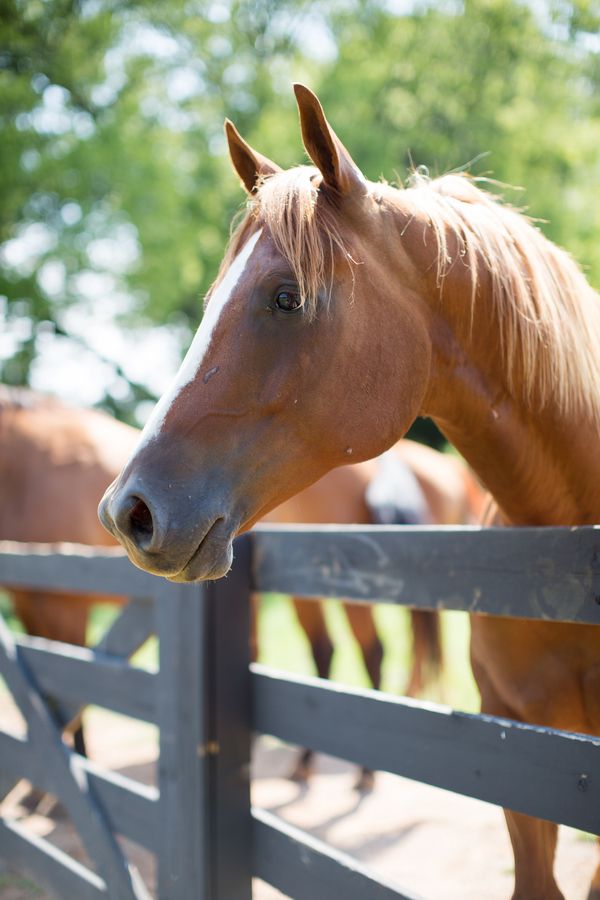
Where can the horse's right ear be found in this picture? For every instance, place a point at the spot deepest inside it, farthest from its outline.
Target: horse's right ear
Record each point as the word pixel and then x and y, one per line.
pixel 248 163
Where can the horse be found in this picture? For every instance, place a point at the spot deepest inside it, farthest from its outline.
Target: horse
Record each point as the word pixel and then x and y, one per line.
pixel 56 461
pixel 342 310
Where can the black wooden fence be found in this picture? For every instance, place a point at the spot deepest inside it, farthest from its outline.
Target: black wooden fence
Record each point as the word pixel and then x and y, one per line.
pixel 206 701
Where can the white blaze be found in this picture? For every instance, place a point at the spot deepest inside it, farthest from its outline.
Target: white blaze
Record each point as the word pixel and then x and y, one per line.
pixel 195 355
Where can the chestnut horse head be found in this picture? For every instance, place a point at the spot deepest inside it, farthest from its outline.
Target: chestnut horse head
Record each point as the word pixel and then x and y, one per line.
pixel 297 367
pixel 342 310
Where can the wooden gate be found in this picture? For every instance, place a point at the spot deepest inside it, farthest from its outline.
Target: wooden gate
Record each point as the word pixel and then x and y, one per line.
pixel 206 700
pixel 199 699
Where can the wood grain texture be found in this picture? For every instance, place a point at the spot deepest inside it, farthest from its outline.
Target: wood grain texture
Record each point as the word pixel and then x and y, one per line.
pixel 78 676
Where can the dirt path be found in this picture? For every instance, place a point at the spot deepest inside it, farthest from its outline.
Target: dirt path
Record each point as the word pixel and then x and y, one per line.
pixel 432 843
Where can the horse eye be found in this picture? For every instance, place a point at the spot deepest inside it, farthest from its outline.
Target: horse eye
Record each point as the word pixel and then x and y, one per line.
pixel 288 301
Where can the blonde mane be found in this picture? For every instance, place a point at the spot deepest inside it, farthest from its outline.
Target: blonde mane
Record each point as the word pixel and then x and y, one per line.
pixel 547 314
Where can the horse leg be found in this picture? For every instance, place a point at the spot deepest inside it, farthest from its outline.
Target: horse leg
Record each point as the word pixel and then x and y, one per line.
pixel 363 628
pixel 312 620
pixel 534 846
pixel 533 840
pixel 362 624
pixel 427 658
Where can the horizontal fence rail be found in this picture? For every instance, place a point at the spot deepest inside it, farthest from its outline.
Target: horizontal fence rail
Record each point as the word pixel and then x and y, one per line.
pixel 536 573
pixel 539 771
pixel 74 567
pixel 305 868
pixel 78 676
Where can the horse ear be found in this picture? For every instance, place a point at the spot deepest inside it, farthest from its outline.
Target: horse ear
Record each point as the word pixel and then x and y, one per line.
pixel 248 163
pixel 324 147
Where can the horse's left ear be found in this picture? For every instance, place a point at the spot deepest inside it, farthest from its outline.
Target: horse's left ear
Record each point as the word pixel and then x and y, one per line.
pixel 324 147
pixel 248 163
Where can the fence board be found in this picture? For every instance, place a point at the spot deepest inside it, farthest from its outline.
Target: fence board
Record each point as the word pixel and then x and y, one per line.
pixel 538 771
pixel 305 868
pixel 132 627
pixel 69 783
pixel 131 807
pixel 77 676
pixel 49 866
pixel 204 751
pixel 183 721
pixel 126 634
pixel 73 567
pixel 232 723
pixel 542 573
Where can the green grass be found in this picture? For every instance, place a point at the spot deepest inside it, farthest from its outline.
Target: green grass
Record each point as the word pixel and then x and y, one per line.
pixel 19 883
pixel 282 644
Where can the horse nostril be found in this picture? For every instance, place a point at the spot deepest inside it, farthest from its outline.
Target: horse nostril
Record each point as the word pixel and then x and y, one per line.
pixel 140 520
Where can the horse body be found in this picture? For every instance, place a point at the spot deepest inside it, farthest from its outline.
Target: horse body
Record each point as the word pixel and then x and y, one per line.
pixel 54 462
pixel 345 309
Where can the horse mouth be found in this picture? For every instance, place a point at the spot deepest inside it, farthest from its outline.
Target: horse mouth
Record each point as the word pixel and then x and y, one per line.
pixel 212 558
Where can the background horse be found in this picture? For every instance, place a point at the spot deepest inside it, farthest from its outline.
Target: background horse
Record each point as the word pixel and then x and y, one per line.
pixel 343 309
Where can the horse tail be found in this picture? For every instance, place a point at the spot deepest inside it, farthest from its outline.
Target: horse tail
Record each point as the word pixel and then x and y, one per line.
pixel 427 653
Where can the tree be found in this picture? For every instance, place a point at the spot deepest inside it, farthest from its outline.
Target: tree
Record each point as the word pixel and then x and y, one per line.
pixel 116 191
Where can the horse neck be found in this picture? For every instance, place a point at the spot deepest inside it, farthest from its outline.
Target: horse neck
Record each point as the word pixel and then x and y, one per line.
pixel 540 464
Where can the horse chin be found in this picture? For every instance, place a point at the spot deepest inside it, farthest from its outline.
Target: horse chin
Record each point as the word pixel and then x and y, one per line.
pixel 210 561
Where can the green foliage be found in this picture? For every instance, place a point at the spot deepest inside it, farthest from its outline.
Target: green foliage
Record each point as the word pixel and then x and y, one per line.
pixel 112 157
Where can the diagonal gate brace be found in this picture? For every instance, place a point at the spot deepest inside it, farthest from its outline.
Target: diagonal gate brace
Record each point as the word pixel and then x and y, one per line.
pixel 69 779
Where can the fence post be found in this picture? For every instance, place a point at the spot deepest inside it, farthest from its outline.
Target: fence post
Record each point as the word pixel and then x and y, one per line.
pixel 204 718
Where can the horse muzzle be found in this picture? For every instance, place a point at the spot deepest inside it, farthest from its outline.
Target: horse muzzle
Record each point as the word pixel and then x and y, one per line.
pixel 183 550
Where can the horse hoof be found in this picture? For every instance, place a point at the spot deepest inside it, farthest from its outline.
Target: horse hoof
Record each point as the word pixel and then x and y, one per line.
pixel 366 782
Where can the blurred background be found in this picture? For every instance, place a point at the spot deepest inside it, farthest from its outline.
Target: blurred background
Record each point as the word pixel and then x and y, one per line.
pixel 117 194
